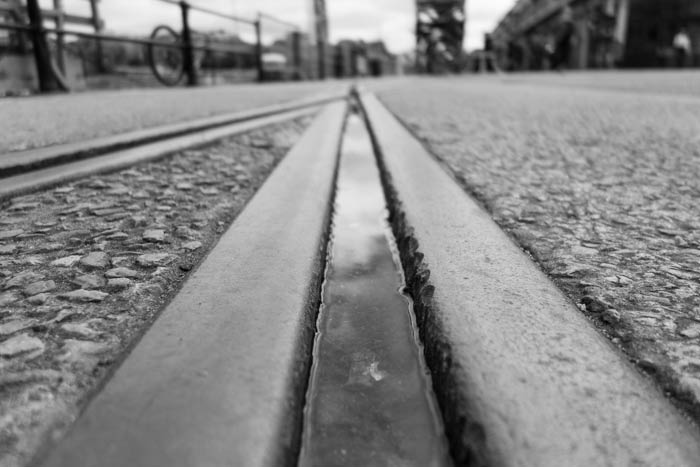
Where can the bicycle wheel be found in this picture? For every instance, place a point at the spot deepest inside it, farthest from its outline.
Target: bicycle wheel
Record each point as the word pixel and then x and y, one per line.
pixel 166 62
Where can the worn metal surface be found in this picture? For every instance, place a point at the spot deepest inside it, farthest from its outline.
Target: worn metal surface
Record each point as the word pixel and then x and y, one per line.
pixel 522 377
pixel 370 401
pixel 599 185
pixel 86 267
pixel 48 120
pixel 22 161
pixel 42 178
pixel 220 377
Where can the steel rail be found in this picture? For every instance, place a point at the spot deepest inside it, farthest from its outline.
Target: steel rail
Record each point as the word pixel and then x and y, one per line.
pixel 220 377
pixel 35 169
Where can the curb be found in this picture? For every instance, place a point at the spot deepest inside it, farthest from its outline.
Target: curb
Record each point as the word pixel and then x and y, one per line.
pixel 522 378
pixel 220 377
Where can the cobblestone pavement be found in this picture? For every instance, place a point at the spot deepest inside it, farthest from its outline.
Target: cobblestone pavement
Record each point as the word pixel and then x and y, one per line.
pixel 601 188
pixel 38 121
pixel 85 267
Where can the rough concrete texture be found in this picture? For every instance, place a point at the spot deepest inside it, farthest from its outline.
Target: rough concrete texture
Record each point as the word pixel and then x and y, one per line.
pixel 220 377
pixel 85 267
pixel 600 187
pixel 662 82
pixel 38 121
pixel 522 377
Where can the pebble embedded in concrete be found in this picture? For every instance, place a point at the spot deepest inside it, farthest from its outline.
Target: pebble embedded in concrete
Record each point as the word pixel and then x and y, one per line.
pixel 88 238
pixel 95 260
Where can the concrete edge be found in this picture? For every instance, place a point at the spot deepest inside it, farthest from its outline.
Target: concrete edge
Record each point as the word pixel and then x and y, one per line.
pixel 220 378
pixel 14 163
pixel 522 378
pixel 47 177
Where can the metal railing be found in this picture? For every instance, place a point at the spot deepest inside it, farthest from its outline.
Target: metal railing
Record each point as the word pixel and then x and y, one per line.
pixel 49 75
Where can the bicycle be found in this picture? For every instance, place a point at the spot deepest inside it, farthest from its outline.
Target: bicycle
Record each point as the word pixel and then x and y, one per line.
pixel 167 62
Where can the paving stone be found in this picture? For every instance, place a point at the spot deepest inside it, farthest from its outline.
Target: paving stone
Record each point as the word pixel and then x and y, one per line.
pixel 691 331
pixel 76 350
pixel 23 278
pixel 117 190
pixel 31 260
pixel 122 272
pixel 19 206
pixel 121 261
pixel 39 299
pixel 154 259
pixel 24 345
pixel 192 246
pixel 66 261
pixel 185 186
pixel 185 232
pixel 211 191
pixel 11 327
pixel 141 195
pixel 10 297
pixel 8 234
pixel 117 236
pixel 7 249
pixel 107 211
pixel 82 295
pixel 9 220
pixel 89 281
pixel 155 236
pixel 29 376
pixel 95 260
pixel 48 247
pixel 82 329
pixel 119 283
pixel 39 287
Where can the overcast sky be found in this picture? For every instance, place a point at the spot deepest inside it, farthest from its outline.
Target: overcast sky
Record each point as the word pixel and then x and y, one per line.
pixel 390 20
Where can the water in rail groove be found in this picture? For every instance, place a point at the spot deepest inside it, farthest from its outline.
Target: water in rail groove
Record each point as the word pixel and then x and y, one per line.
pixel 370 401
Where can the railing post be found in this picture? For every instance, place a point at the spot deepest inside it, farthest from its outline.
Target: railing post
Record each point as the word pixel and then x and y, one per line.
pixel 296 54
pixel 97 25
pixel 47 83
pixel 187 50
pixel 60 39
pixel 258 48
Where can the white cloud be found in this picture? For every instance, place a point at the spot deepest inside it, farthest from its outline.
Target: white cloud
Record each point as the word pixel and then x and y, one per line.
pixel 482 17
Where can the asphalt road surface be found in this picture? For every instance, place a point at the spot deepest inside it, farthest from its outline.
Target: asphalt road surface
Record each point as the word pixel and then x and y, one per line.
pixel 38 121
pixel 597 177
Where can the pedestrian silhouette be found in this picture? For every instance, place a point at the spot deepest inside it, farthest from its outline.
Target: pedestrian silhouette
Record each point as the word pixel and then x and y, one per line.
pixel 681 48
pixel 562 42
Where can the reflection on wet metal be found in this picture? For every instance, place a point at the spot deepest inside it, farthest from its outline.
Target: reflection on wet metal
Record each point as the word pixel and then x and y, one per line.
pixel 370 401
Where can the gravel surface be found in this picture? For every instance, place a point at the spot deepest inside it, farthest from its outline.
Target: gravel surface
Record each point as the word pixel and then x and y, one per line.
pixel 85 267
pixel 38 121
pixel 600 187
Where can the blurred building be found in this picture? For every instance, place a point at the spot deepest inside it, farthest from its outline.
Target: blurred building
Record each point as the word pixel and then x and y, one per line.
pixel 359 58
pixel 607 33
pixel 439 35
pixel 323 53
